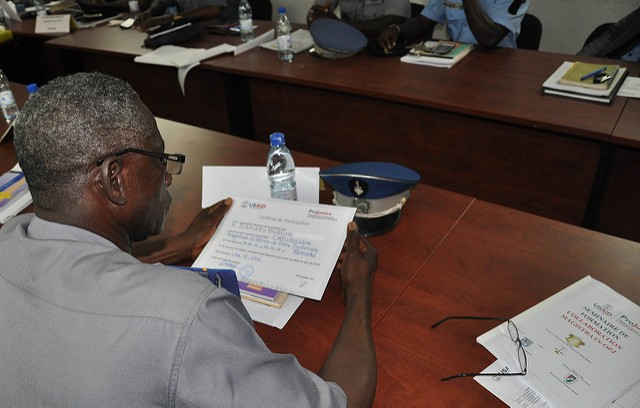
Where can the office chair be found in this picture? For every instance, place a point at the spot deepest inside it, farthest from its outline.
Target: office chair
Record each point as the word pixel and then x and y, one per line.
pixel 597 32
pixel 530 33
pixel 261 9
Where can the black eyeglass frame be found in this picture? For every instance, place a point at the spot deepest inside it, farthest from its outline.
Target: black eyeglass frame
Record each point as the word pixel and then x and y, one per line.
pixel 516 340
pixel 165 157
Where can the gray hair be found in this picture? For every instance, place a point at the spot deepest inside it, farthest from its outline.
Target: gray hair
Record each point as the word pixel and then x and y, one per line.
pixel 69 124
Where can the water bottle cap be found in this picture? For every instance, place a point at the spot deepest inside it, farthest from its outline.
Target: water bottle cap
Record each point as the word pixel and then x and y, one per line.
pixel 282 10
pixel 31 88
pixel 277 139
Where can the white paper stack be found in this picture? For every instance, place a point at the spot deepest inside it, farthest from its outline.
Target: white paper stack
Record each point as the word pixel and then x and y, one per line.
pixel 583 350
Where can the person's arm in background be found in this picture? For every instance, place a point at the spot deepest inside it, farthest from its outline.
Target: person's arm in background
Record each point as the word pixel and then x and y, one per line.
pixel 351 363
pixel 186 246
pixel 411 29
pixel 373 27
pixel 487 33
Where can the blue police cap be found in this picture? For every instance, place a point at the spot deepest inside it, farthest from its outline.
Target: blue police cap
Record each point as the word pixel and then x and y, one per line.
pixel 336 39
pixel 378 191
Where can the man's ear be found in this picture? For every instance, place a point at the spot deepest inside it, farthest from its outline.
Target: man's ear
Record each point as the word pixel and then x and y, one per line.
pixel 110 180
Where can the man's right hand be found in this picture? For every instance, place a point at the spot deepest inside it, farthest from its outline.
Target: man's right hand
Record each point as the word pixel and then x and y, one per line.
pixel 319 11
pixel 388 38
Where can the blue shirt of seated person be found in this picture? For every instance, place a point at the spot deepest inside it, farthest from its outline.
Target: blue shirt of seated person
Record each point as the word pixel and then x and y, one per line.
pixel 451 13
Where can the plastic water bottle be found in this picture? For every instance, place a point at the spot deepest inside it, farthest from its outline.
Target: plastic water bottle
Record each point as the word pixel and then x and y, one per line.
pixel 7 101
pixel 283 34
pixel 246 21
pixel 41 8
pixel 32 88
pixel 281 169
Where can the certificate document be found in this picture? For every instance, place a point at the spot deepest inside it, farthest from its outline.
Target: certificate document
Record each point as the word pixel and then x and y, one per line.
pixel 285 245
pixel 582 345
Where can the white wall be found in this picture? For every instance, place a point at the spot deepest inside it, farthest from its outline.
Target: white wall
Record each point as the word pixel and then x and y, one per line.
pixel 565 23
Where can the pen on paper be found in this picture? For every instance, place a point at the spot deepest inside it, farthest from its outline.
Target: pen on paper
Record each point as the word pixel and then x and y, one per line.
pixel 594 73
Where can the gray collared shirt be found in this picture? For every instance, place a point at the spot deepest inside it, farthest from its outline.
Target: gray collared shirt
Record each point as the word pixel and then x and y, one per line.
pixel 86 324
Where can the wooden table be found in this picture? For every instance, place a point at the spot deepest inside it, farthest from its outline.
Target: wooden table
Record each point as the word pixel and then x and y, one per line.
pixel 450 254
pixel 482 128
pixel 622 194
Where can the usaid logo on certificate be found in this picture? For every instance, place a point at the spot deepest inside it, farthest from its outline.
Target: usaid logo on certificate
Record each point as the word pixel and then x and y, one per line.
pixel 249 204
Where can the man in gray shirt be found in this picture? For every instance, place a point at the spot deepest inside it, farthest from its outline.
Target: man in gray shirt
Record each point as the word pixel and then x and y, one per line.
pixel 84 323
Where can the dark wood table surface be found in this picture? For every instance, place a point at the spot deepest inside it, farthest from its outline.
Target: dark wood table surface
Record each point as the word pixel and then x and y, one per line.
pixel 450 254
pixel 501 85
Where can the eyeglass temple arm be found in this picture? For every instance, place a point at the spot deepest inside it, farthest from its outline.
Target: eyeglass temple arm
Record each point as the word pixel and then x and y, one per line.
pixel 502 319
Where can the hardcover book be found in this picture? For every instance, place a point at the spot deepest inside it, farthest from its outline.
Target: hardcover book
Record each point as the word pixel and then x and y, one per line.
pixel 437 53
pixel 593 76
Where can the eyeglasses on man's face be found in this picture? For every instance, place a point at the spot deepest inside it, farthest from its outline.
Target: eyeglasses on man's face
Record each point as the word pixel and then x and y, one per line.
pixel 515 337
pixel 173 163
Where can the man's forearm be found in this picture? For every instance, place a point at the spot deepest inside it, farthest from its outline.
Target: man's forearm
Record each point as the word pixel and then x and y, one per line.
pixel 420 27
pixel 372 27
pixel 487 32
pixel 352 360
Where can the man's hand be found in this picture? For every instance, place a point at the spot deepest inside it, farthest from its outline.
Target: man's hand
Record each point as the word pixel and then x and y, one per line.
pixel 320 11
pixel 388 38
pixel 204 225
pixel 357 264
pixel 186 246
pixel 145 21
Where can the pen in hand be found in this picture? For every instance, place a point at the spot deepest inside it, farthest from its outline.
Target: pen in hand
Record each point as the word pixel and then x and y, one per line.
pixel 594 73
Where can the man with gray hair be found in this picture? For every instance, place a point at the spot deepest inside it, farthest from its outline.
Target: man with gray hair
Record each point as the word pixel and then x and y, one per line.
pixel 85 323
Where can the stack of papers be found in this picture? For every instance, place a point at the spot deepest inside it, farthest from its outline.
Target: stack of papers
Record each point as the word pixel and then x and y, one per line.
pixel 187 58
pixel 565 81
pixel 260 294
pixel 286 246
pixel 14 194
pixel 583 350
pixel 430 53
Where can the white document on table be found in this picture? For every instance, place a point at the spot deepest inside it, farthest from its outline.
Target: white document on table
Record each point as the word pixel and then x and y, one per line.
pixel 289 246
pixel 10 10
pixel 582 345
pixel 514 391
pixel 182 58
pixel 220 182
pixel 273 316
pixel 301 40
pixel 517 392
pixel 630 88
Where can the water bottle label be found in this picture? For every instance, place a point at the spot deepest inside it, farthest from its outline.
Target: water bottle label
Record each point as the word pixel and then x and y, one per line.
pixel 6 98
pixel 285 195
pixel 284 42
pixel 246 25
